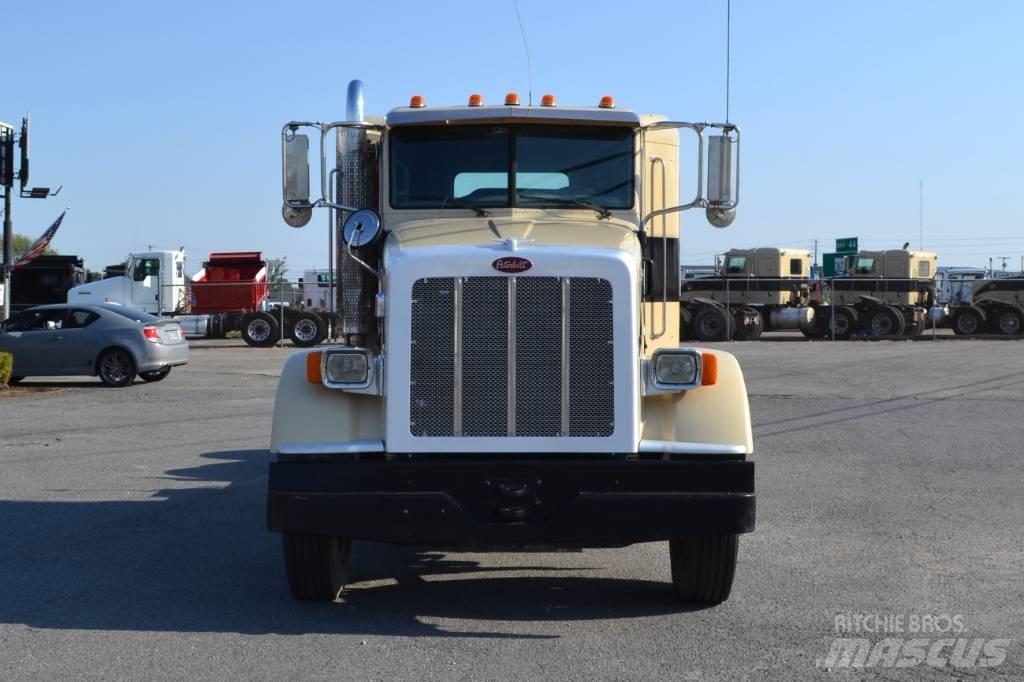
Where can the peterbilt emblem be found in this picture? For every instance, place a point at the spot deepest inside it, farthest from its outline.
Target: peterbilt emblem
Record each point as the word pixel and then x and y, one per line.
pixel 512 265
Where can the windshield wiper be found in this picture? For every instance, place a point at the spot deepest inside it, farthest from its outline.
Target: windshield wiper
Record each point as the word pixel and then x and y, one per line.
pixel 601 210
pixel 482 213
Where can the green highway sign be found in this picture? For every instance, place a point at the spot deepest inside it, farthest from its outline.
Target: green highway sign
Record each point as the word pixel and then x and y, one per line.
pixel 847 245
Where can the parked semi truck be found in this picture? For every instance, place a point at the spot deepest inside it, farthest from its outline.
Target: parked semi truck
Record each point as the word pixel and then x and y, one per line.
pixel 995 306
pixel 885 293
pixel 754 290
pixel 45 280
pixel 229 293
pixel 511 374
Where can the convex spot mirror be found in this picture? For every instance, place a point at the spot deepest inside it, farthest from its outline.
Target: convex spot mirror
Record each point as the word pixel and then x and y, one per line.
pixel 361 228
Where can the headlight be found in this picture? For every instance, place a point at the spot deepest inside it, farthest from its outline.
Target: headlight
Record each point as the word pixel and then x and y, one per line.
pixel 675 369
pixel 346 368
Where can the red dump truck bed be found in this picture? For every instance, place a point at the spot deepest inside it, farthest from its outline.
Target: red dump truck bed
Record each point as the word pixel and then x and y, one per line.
pixel 230 282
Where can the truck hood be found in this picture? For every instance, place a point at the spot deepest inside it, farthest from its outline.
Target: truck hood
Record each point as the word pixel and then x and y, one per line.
pixel 607 234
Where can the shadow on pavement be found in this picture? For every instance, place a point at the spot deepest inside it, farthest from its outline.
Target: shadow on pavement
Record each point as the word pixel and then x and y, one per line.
pixel 199 558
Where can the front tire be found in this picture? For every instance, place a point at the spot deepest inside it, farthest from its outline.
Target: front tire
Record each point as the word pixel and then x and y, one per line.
pixel 116 367
pixel 967 322
pixel 703 567
pixel 845 323
pixel 317 566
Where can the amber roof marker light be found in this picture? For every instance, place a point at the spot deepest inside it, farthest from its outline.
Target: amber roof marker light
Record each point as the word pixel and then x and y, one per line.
pixel 548 101
pixel 512 99
pixel 607 102
pixel 416 102
pixel 476 100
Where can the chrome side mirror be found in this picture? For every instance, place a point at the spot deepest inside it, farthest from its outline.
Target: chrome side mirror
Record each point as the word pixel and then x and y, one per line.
pixel 361 228
pixel 297 210
pixel 723 180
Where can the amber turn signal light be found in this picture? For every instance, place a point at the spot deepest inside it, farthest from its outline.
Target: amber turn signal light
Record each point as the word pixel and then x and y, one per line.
pixel 313 361
pixel 709 369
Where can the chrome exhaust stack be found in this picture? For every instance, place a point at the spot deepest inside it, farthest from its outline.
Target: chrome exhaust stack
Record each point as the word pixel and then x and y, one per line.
pixel 356 186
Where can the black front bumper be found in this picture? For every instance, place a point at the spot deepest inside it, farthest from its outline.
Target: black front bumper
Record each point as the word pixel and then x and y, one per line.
pixel 510 501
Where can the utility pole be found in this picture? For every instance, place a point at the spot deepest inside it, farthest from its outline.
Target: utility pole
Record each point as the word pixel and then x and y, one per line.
pixel 7 176
pixel 7 179
pixel 920 215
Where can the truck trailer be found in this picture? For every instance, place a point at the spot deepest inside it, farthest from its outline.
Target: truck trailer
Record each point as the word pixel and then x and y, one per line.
pixel 45 280
pixel 229 293
pixel 510 374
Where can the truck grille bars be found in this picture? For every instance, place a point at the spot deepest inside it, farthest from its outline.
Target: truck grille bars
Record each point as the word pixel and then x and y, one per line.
pixel 512 357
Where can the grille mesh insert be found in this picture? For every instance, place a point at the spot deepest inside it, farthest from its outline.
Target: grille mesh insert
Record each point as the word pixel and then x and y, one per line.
pixel 523 317
pixel 432 386
pixel 538 356
pixel 484 356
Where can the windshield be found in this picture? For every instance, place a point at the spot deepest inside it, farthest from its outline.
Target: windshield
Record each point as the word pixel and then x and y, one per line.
pixel 736 265
pixel 486 166
pixel 865 266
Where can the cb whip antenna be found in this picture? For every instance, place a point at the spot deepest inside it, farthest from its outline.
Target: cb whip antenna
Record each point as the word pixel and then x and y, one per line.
pixel 526 48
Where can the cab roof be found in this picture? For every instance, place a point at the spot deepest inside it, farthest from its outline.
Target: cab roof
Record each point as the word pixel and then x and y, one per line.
pixel 512 114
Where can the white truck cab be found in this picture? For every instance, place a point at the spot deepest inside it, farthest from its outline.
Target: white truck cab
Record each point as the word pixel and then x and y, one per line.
pixel 154 282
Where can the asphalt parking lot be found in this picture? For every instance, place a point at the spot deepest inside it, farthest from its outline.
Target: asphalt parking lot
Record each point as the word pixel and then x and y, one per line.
pixel 133 544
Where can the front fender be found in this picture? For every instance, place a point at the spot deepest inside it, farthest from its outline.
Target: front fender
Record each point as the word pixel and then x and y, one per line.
pixel 310 415
pixel 718 414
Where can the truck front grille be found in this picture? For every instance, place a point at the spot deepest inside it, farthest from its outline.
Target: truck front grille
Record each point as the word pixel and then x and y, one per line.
pixel 512 357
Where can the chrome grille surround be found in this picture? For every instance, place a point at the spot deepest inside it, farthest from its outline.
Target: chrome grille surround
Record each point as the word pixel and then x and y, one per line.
pixel 523 356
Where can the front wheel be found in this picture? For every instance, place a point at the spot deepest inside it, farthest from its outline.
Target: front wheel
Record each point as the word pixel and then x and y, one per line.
pixel 703 567
pixel 155 375
pixel 842 322
pixel 966 322
pixel 116 368
pixel 318 566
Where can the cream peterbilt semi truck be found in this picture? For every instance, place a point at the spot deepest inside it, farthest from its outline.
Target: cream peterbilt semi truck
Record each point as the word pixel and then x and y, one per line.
pixel 509 372
pixel 885 293
pixel 754 290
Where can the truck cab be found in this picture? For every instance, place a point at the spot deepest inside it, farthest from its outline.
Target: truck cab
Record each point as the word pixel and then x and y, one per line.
pixel 508 371
pixel 154 282
pixel 754 290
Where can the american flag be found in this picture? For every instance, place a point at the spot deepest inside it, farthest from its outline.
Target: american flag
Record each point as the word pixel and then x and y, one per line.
pixel 41 243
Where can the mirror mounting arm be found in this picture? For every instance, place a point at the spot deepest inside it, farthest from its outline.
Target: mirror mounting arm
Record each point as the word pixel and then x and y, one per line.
pixel 699 200
pixel 288 131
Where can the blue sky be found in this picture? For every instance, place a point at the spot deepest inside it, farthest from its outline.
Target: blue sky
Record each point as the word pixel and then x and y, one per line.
pixel 161 120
